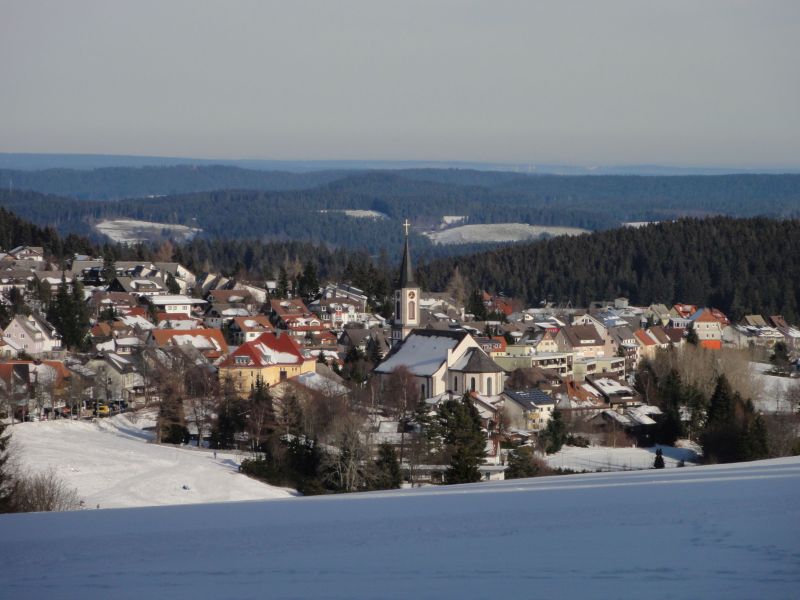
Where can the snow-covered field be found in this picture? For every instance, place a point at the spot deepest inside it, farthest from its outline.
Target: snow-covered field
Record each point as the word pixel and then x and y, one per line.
pixel 359 213
pixel 773 390
pixel 130 231
pixel 603 458
pixel 497 232
pixel 111 463
pixel 729 531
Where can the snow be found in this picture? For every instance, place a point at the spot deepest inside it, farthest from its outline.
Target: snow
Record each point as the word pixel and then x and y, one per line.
pixel 422 355
pixel 773 390
pixel 111 463
pixel 497 232
pixel 201 342
pixel 727 531
pixel 130 231
pixel 604 458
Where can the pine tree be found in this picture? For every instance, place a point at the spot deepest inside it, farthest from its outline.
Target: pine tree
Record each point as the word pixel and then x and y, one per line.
pixel 283 283
pixel 388 475
pixel 464 438
pixel 658 463
pixel 555 434
pixel 6 480
pixel 523 463
pixel 109 272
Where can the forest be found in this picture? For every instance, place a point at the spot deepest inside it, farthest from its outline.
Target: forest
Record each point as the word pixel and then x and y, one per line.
pixel 737 265
pixel 277 206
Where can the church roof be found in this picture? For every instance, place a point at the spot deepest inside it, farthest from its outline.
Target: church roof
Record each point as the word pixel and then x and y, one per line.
pixel 406 270
pixel 475 360
pixel 423 352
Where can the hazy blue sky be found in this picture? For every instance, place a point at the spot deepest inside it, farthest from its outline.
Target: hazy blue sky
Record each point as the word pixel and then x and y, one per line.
pixel 690 83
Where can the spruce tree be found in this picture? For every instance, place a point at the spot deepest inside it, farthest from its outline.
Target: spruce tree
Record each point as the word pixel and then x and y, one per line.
pixel 6 480
pixel 523 463
pixel 555 434
pixel 283 283
pixel 388 475
pixel 659 461
pixel 464 438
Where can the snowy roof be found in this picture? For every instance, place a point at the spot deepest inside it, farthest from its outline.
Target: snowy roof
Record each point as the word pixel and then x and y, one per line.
pixel 174 299
pixel 423 352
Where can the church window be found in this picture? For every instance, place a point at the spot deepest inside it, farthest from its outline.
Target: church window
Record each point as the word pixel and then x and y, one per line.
pixel 489 387
pixel 455 384
pixel 411 312
pixel 472 384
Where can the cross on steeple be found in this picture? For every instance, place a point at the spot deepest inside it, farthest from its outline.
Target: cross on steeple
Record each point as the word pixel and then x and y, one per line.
pixel 406 226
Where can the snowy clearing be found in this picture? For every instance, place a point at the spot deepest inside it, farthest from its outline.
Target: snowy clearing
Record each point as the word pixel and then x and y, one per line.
pixel 111 463
pixel 130 231
pixel 727 531
pixel 604 458
pixel 497 232
pixel 359 214
pixel 773 393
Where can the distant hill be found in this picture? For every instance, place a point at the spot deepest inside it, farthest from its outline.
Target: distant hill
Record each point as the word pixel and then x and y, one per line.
pixel 313 207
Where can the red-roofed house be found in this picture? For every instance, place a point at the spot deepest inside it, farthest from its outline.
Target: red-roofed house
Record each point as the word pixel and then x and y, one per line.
pixel 208 341
pixel 269 357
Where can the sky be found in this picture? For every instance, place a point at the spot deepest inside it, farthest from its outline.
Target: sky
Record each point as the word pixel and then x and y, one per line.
pixel 705 84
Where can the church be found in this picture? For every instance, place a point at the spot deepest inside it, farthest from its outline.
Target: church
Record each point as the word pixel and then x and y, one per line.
pixel 441 361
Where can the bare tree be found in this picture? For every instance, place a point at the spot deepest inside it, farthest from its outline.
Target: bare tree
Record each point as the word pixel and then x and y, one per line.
pixel 400 399
pixel 43 492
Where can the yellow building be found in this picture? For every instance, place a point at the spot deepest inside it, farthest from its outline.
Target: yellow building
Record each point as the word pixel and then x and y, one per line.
pixel 269 357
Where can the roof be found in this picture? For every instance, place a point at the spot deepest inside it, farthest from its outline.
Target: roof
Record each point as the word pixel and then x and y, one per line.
pixel 423 352
pixel 475 360
pixel 209 341
pixel 264 351
pixel 530 399
pixel 174 299
pixel 580 336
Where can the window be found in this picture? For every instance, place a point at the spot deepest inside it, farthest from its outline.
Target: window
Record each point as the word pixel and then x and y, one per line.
pixel 472 384
pixel 411 312
pixel 489 387
pixel 455 384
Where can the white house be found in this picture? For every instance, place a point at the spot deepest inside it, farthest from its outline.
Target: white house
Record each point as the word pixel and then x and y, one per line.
pixel 32 334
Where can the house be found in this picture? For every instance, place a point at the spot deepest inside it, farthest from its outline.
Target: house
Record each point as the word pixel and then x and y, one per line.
pixel 31 253
pixel 174 303
pixel 140 286
pixel 613 392
pixel 209 342
pixel 247 329
pixel 583 340
pixel 52 280
pixel 443 361
pixel 338 311
pixel 530 410
pixel 33 334
pixel 270 358
pixel 708 327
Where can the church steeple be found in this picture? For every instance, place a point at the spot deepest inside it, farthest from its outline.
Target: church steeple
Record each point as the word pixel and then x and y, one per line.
pixel 406 270
pixel 406 298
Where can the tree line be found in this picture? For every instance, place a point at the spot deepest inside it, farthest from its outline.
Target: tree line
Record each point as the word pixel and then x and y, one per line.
pixel 737 265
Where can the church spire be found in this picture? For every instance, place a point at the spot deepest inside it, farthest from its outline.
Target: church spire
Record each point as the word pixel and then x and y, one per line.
pixel 406 270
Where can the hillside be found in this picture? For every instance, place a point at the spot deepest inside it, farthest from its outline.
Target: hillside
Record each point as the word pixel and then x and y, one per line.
pixel 728 531
pixel 311 206
pixel 737 265
pixel 112 465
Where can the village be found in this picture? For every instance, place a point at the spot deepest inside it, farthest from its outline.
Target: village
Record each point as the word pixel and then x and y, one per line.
pixel 328 352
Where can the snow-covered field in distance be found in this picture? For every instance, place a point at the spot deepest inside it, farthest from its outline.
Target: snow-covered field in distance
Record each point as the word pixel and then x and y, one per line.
pixel 358 213
pixel 111 463
pixel 497 232
pixel 131 231
pixel 606 458
pixel 728 531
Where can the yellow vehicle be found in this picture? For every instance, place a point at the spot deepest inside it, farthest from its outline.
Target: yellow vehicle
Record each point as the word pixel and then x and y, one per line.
pixel 102 410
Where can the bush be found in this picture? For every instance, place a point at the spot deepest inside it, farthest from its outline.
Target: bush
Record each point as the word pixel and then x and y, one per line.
pixel 522 462
pixel 43 492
